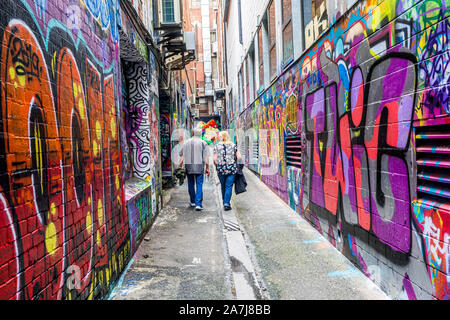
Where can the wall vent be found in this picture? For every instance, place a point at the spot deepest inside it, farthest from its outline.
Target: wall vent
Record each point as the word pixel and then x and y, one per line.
pixel 433 166
pixel 294 151
pixel 255 155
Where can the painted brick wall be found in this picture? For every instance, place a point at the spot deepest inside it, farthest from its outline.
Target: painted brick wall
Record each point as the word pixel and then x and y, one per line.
pixel 367 107
pixel 64 229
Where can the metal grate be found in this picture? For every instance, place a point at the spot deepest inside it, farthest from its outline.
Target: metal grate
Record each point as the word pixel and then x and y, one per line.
pixel 255 155
pixel 433 166
pixel 294 151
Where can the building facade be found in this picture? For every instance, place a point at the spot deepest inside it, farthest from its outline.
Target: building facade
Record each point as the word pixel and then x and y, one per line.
pixel 341 108
pixel 206 72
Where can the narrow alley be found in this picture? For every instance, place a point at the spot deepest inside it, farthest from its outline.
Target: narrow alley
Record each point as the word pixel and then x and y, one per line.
pixel 260 250
pixel 316 131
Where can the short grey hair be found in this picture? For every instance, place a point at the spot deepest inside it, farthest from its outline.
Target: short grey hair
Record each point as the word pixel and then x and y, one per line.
pixel 198 132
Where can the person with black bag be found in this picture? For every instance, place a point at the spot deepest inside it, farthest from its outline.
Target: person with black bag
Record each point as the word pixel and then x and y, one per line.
pixel 240 183
pixel 226 156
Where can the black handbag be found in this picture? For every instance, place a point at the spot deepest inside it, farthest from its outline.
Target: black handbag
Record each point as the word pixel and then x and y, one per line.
pixel 240 184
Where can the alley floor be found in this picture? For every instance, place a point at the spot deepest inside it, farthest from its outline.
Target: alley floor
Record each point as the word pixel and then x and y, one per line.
pixel 259 250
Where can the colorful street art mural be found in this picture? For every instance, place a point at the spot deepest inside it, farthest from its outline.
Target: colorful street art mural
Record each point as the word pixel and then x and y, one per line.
pixel 64 227
pixel 141 204
pixel 357 136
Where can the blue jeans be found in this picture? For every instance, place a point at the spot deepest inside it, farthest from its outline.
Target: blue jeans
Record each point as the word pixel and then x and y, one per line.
pixel 227 183
pixel 196 181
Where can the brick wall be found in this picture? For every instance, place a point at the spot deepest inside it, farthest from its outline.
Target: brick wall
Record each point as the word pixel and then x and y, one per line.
pixel 64 229
pixel 361 121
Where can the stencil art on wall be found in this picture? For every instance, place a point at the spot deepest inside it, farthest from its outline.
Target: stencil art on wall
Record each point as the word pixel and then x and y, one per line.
pixel 138 126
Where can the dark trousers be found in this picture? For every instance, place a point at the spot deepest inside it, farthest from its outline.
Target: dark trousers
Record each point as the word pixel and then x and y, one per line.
pixel 227 183
pixel 195 184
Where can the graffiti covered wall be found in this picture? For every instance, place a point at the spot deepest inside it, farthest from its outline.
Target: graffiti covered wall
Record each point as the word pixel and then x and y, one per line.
pixel 355 137
pixel 142 204
pixel 64 228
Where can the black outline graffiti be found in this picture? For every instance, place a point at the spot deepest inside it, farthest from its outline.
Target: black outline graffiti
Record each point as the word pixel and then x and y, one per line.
pixel 384 149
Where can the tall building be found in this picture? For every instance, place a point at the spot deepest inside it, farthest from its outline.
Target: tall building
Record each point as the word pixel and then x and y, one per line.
pixel 206 72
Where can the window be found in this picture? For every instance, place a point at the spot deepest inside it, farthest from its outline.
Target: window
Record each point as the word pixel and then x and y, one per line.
pixel 215 75
pixel 261 57
pixel 247 80
pixel 230 111
pixel 272 40
pixel 288 47
pixel 315 20
pixel 240 21
pixel 168 11
pixel 308 30
pixel 155 14
pixel 241 96
pixel 252 60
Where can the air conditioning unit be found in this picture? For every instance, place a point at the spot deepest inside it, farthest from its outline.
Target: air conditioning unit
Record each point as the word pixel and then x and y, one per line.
pixel 193 100
pixel 196 113
pixel 189 39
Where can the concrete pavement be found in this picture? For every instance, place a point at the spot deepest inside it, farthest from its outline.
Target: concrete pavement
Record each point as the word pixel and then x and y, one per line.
pixel 184 257
pixel 259 250
pixel 292 258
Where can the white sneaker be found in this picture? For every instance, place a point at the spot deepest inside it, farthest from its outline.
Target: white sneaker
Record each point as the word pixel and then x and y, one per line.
pixel 193 205
pixel 198 208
